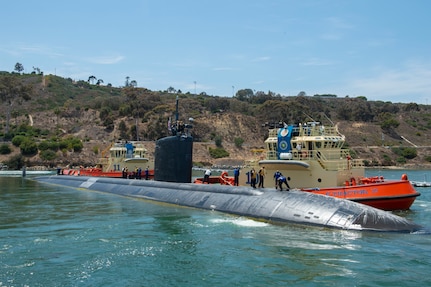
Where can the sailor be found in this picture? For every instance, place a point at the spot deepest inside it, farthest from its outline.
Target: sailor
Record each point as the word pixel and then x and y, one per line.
pixel 262 174
pixel 207 176
pixel 277 174
pixel 282 179
pixel 253 178
pixel 147 173
pixel 236 176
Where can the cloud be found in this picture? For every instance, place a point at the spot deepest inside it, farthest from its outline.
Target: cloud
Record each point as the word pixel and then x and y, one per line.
pixel 407 83
pixel 261 59
pixel 106 60
pixel 21 49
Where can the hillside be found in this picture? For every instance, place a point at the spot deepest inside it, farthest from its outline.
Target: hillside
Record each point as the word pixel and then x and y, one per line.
pixel 58 108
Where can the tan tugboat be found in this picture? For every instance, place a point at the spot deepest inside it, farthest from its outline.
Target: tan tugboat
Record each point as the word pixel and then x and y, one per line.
pixel 123 159
pixel 312 158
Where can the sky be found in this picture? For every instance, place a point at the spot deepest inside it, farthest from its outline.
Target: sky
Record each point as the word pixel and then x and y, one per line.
pixel 379 49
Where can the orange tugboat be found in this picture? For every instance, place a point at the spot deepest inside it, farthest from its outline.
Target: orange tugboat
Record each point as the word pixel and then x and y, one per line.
pixel 223 179
pixel 125 159
pixel 312 158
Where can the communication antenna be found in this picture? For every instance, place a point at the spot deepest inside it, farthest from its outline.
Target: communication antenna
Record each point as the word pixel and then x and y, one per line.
pixel 176 110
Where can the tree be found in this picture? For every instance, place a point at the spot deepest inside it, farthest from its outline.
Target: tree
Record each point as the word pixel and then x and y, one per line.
pixel 387 121
pixel 57 112
pixel 218 141
pixel 302 94
pixel 37 70
pixel 123 130
pixel 19 67
pixel 244 94
pixel 238 142
pixel 11 91
pixel 28 147
pixel 91 79
pixel 99 81
pixel 5 149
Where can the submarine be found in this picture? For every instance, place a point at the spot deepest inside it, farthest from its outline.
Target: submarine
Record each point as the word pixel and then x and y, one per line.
pixel 268 205
pixel 172 184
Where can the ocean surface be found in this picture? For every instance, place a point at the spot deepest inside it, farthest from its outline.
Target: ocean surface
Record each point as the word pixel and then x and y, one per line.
pixel 58 236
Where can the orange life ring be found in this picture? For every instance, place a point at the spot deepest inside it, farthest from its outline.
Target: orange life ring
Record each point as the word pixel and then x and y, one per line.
pixel 224 174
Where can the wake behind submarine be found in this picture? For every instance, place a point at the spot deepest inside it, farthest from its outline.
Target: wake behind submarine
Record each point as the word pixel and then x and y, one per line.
pixel 172 184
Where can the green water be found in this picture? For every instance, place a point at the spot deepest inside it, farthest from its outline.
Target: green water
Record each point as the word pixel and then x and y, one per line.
pixel 56 236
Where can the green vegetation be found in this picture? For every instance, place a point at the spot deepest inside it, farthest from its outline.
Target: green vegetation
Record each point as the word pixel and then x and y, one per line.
pixel 218 141
pixel 51 144
pixel 16 162
pixel 405 152
pixel 238 142
pixel 5 149
pixel 218 152
pixel 71 144
pixel 48 155
pixel 28 147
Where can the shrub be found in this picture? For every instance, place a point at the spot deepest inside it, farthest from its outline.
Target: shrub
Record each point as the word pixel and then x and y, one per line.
pixel 49 144
pixel 8 136
pixel 406 152
pixel 409 153
pixel 17 140
pixel 48 155
pixel 218 140
pixel 238 142
pixel 16 162
pixel 5 149
pixel 387 161
pixel 218 152
pixel 44 145
pixel 28 147
pixel 71 143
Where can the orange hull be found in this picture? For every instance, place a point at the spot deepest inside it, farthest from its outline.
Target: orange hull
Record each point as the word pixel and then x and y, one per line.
pixel 223 180
pixel 97 172
pixel 386 195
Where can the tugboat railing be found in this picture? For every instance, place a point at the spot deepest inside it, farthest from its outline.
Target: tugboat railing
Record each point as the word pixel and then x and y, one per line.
pixel 329 160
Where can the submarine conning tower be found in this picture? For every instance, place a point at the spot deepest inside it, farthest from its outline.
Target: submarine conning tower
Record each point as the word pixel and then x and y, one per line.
pixel 173 157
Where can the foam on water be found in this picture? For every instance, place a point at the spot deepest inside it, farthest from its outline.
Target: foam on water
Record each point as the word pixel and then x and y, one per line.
pixel 240 221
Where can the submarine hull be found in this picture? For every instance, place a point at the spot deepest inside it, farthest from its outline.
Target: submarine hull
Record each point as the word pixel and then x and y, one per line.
pixel 263 204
